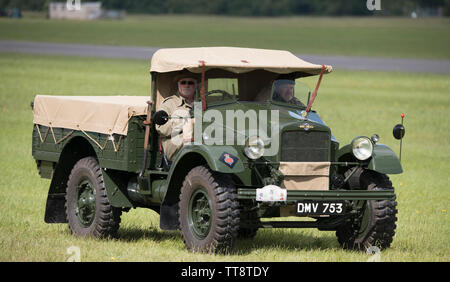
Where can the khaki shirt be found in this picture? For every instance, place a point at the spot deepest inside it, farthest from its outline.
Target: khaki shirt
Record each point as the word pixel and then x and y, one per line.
pixel 171 132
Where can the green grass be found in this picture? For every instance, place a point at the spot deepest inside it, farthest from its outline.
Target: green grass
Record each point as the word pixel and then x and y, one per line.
pixel 365 36
pixel 351 103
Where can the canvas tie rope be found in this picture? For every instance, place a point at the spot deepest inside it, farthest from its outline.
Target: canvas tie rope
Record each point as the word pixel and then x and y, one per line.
pixel 50 129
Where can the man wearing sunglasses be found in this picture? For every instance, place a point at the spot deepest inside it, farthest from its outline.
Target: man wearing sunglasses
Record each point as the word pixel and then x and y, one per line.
pixel 284 92
pixel 177 106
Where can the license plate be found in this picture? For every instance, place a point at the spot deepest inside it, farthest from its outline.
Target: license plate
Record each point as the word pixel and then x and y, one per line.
pixel 319 208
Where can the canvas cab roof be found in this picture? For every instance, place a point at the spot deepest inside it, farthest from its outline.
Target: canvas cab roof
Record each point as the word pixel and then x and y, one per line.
pixel 232 59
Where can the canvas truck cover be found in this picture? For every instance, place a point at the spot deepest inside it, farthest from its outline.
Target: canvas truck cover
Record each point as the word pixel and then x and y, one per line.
pixel 102 114
pixel 233 59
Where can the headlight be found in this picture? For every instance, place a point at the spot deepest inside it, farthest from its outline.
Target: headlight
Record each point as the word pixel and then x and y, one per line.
pixel 362 148
pixel 254 147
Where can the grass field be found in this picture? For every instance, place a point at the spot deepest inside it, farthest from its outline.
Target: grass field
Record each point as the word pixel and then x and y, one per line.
pixel 379 37
pixel 351 103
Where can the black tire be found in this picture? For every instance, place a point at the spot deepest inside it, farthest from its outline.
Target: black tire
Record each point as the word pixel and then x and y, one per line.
pixel 208 211
pixel 375 224
pixel 88 211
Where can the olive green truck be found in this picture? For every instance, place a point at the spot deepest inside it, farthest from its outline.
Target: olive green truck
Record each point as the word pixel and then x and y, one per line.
pixel 249 156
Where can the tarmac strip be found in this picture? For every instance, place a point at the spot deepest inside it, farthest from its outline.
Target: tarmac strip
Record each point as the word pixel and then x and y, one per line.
pixel 145 53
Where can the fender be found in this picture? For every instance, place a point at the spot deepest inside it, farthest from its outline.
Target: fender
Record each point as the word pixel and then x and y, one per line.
pixel 383 159
pixel 212 155
pixel 74 149
pixel 187 158
pixel 345 154
pixel 115 187
pixel 191 156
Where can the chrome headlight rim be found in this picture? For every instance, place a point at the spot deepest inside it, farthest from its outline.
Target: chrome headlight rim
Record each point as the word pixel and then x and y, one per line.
pixel 362 148
pixel 254 147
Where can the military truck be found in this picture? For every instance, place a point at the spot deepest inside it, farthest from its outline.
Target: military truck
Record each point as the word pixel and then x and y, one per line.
pixel 247 156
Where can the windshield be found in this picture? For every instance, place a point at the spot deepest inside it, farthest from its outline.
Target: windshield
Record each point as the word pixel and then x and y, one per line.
pixel 220 90
pixel 255 88
pixel 290 92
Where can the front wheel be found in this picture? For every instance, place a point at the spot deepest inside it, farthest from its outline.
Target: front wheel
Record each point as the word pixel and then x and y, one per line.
pixel 374 225
pixel 88 210
pixel 208 211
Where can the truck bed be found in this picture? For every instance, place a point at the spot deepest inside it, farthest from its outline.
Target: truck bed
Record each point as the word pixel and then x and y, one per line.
pixel 113 125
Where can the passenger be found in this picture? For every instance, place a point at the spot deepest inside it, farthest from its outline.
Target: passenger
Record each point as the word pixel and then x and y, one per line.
pixel 177 105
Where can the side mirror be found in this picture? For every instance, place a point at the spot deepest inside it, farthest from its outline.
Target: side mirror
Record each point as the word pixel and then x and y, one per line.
pixel 160 117
pixel 398 131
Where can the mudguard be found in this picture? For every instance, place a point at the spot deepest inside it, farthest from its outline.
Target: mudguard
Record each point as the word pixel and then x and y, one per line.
pixel 383 159
pixel 225 159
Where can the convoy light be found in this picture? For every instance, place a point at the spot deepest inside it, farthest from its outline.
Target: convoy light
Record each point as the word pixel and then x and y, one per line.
pixel 375 138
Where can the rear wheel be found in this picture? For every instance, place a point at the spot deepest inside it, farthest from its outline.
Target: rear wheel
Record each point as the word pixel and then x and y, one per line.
pixel 88 210
pixel 208 211
pixel 374 225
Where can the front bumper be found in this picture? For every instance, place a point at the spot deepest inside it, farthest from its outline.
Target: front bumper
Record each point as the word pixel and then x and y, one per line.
pixel 324 195
pixel 322 223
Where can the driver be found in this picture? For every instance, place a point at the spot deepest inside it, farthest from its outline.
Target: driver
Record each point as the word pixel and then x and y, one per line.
pixel 284 92
pixel 177 105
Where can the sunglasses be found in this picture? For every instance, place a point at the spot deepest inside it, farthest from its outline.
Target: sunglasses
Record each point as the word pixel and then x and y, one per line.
pixel 188 82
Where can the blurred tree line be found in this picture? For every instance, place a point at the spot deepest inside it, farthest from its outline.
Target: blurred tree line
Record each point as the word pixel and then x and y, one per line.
pixel 251 7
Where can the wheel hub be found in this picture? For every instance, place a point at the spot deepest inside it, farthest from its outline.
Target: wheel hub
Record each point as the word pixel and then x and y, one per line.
pixel 200 213
pixel 85 203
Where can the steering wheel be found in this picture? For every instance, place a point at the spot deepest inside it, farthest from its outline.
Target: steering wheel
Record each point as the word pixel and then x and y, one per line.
pixel 223 92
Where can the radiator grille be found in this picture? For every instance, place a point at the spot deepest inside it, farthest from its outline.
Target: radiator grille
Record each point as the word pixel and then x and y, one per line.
pixel 305 146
